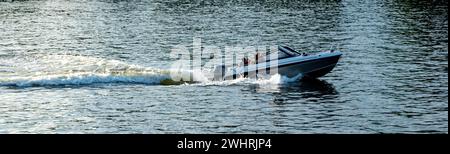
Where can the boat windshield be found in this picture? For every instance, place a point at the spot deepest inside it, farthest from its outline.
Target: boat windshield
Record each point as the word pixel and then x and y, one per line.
pixel 283 52
pixel 289 51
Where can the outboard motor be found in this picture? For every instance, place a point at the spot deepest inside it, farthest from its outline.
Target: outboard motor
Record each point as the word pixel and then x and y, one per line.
pixel 219 72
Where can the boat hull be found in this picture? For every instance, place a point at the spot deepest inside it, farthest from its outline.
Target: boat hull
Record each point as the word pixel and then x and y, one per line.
pixel 311 69
pixel 314 67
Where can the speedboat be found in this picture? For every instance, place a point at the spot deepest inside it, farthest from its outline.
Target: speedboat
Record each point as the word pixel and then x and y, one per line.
pixel 286 62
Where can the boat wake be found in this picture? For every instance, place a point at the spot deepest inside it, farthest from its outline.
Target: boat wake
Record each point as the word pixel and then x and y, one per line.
pixel 268 80
pixel 78 70
pixel 82 79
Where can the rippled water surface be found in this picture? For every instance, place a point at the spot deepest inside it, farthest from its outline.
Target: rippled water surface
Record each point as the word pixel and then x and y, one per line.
pixel 96 66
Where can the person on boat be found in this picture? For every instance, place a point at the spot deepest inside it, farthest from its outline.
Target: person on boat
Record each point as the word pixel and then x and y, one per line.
pixel 259 58
pixel 245 61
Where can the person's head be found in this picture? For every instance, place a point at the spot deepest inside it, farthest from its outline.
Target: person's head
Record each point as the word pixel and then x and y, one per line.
pixel 245 59
pixel 257 55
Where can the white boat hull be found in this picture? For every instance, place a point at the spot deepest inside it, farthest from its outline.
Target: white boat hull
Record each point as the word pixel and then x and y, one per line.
pixel 312 66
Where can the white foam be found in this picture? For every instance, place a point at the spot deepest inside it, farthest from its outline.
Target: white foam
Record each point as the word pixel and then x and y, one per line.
pixel 197 75
pixel 83 79
pixel 56 70
pixel 276 79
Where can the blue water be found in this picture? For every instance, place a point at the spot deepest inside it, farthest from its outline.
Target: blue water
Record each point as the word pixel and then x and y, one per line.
pixel 97 66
